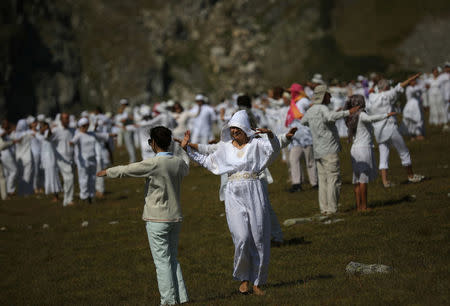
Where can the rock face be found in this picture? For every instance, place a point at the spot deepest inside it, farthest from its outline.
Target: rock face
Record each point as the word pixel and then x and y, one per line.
pixel 70 55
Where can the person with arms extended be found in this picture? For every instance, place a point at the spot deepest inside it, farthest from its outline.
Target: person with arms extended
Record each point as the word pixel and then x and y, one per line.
pixel 243 158
pixel 162 211
pixel 321 122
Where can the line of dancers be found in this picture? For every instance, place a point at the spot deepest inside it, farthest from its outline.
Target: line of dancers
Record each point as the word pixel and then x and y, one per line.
pixel 303 121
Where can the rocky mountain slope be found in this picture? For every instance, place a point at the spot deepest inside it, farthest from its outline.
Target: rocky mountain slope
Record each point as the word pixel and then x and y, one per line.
pixel 74 54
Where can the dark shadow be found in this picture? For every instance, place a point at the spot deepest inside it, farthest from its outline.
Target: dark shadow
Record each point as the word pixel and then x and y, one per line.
pixel 391 202
pixel 295 241
pixel 268 286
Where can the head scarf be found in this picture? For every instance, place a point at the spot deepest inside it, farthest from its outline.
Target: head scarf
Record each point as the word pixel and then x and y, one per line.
pixel 297 94
pixel 240 120
pixel 319 94
pixel 352 120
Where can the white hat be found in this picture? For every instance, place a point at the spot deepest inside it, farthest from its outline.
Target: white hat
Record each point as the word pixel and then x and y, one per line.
pixel 40 117
pixel 83 121
pixel 123 102
pixel 170 103
pixel 360 78
pixel 145 110
pixel 30 119
pixel 200 97
pixel 161 107
pixel 240 120
pixel 84 114
pixel 317 78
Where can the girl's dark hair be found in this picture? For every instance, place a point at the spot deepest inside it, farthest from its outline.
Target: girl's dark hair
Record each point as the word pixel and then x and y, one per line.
pixel 277 92
pixel 179 105
pixel 162 136
pixel 244 101
pixel 352 120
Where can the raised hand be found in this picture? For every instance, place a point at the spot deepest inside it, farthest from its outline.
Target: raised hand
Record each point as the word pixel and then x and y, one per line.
pixel 406 82
pixel 101 173
pixel 186 139
pixel 354 109
pixel 291 133
pixel 391 114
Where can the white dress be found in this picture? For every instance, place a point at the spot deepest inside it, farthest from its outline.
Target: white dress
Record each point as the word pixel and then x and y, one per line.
pixel 246 202
pixel 438 106
pixel 413 117
pixel 363 159
pixel 52 183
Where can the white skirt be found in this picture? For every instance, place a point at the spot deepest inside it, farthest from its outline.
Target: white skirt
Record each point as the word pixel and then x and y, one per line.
pixel 363 164
pixel 52 182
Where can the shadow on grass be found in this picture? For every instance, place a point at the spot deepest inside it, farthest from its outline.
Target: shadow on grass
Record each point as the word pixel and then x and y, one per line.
pixel 295 241
pixel 390 202
pixel 406 198
pixel 268 286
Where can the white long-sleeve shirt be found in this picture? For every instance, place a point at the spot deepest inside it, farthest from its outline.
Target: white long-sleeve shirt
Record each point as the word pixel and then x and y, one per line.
pixel 382 103
pixel 323 129
pixel 61 138
pixel 86 143
pixel 363 137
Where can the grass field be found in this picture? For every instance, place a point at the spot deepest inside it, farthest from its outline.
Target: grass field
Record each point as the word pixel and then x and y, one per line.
pixel 111 264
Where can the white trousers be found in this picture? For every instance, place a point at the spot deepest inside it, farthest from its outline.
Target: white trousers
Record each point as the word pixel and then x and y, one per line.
pixel 129 144
pixel 38 178
pixel 10 172
pixel 297 175
pixel 397 141
pixel 25 174
pixel 100 181
pixel 66 171
pixel 3 193
pixel 249 223
pixel 329 173
pixel 86 180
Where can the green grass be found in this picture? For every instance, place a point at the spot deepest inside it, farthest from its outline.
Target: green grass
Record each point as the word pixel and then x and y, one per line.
pixel 111 264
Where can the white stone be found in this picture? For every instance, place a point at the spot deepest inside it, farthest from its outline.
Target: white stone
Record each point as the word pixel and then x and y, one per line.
pixel 84 224
pixel 45 226
pixel 114 222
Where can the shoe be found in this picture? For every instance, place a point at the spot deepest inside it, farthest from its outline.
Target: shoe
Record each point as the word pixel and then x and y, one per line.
pixel 388 185
pixel 275 243
pixel 416 178
pixel 295 188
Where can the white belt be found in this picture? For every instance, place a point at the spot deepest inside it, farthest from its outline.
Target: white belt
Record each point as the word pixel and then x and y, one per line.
pixel 243 176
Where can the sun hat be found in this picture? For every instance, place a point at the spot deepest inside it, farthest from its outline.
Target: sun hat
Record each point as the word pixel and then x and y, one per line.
pixel 83 121
pixel 319 94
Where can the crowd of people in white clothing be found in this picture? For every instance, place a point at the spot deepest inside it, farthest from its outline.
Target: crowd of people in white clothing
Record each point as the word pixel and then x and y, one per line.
pixel 303 121
pixel 36 149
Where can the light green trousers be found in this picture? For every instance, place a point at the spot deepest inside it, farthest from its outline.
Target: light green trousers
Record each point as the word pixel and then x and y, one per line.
pixel 163 239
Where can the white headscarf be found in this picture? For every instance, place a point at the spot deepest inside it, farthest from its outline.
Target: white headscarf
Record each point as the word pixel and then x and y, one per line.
pixel 239 120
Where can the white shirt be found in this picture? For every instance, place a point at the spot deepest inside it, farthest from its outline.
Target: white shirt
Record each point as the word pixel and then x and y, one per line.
pixel 87 148
pixel 61 138
pixel 382 103
pixel 202 124
pixel 323 129
pixel 363 137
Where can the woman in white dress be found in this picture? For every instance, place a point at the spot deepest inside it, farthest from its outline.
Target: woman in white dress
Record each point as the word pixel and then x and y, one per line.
pixel 52 183
pixel 363 160
pixel 24 157
pixel 413 111
pixel 246 202
pixel 438 107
